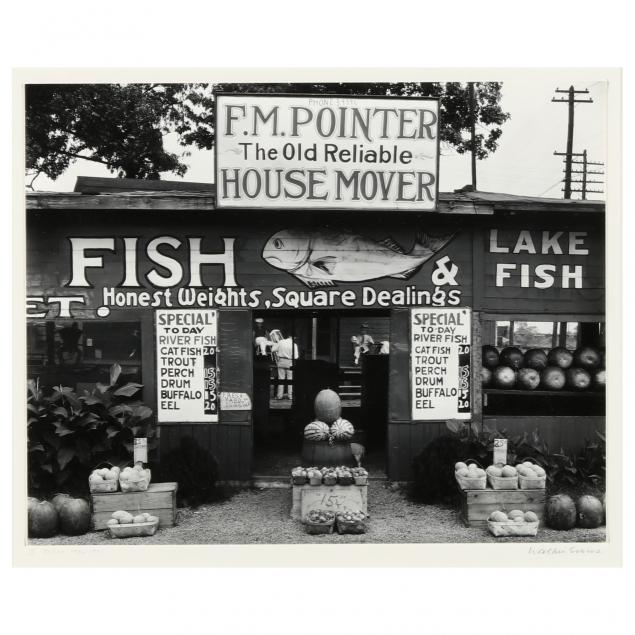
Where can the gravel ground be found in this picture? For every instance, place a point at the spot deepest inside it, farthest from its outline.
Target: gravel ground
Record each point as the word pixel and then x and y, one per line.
pixel 262 517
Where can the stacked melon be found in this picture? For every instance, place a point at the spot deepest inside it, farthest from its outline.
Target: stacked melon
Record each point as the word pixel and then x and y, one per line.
pixel 582 369
pixel 561 512
pixel 329 424
pixel 122 517
pixel 514 516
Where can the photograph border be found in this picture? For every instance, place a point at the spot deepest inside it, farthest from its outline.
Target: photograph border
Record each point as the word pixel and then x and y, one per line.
pixel 607 554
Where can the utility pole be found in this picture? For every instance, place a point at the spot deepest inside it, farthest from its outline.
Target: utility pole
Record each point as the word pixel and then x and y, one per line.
pixel 571 101
pixel 473 132
pixel 584 181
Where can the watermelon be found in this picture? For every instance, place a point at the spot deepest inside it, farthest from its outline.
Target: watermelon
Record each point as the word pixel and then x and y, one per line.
pixel 590 512
pixel 316 431
pixel 490 356
pixel 535 358
pixel 342 429
pixel 74 517
pixel 560 512
pixel 512 357
pixel 327 406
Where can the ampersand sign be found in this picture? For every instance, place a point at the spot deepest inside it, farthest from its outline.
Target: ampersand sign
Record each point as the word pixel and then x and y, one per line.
pixel 443 274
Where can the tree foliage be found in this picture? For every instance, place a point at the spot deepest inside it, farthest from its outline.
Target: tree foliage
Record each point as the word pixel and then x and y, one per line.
pixel 122 126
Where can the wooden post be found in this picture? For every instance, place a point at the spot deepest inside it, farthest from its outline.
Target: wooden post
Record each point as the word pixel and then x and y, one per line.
pixel 477 362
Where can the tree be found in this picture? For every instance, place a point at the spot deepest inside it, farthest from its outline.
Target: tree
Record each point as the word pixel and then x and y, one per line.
pixel 122 126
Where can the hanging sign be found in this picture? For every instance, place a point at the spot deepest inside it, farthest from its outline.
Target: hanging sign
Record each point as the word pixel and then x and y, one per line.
pixel 440 363
pixel 187 366
pixel 326 151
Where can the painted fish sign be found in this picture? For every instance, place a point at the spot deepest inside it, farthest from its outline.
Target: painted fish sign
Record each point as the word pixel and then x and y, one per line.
pixel 326 152
pixel 286 266
pixel 323 257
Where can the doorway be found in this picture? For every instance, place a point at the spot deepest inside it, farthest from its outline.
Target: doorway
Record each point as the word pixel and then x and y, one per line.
pixel 326 356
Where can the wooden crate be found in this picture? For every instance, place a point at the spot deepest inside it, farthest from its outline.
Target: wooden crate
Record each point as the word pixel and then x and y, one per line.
pixel 159 500
pixel 478 504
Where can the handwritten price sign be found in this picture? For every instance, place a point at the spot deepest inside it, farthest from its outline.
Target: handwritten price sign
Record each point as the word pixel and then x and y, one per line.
pixel 338 498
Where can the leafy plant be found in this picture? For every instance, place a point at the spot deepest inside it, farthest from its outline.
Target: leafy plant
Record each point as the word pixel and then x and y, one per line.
pixel 433 467
pixel 69 434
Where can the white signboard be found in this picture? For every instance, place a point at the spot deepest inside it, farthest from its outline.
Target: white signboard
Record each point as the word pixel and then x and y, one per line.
pixel 440 363
pixel 187 373
pixel 235 401
pixel 321 151
pixel 140 452
pixel 500 451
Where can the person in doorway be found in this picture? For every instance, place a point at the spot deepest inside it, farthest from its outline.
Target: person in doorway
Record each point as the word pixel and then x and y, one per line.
pixel 261 338
pixel 70 350
pixel 285 352
pixel 362 343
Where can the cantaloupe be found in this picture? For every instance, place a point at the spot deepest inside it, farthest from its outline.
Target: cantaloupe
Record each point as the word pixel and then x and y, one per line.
pixel 327 406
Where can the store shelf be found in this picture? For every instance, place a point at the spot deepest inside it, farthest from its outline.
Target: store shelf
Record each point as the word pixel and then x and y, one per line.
pixel 544 393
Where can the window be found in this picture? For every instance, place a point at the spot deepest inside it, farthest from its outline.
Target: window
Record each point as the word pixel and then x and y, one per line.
pixel 79 354
pixel 537 334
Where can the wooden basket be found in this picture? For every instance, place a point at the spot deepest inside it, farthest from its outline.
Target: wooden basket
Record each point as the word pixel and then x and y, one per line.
pixel 469 482
pixel 131 530
pixel 140 484
pixel 105 487
pixel 360 480
pixel 330 480
pixel 315 480
pixel 531 482
pixel 315 528
pixel 350 526
pixel 510 528
pixel 503 482
pixel 299 480
pixel 345 480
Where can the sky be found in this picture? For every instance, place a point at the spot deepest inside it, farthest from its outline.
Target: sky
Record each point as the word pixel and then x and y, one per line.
pixel 523 164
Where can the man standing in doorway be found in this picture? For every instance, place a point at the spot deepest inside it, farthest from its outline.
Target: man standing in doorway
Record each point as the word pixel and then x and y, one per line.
pixel 285 352
pixel 361 343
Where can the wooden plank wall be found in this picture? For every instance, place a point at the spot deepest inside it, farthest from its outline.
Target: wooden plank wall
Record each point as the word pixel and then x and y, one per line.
pixel 568 433
pixel 231 445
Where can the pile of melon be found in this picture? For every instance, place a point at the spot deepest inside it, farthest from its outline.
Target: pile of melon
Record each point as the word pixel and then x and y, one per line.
pixel 104 479
pixel 556 369
pixel 562 512
pixel 134 479
pixel 69 515
pixel 514 516
pixel 530 470
pixel 122 517
pixel 329 424
pixel 468 471
pixel 502 471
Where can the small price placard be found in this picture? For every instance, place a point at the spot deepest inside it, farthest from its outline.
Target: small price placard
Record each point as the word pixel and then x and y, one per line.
pixel 141 450
pixel 500 451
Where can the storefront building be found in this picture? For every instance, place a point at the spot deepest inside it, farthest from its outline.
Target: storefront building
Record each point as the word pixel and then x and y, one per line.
pixel 157 277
